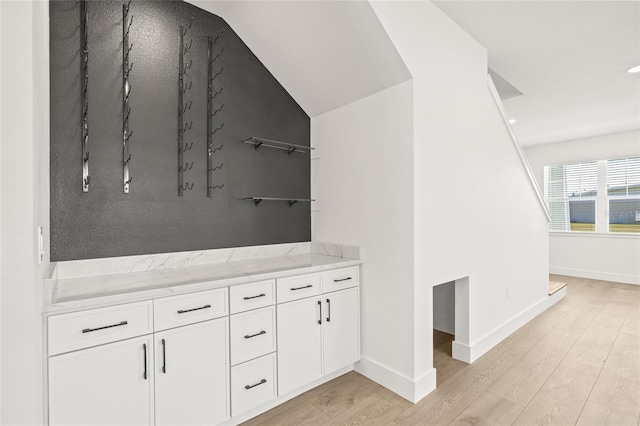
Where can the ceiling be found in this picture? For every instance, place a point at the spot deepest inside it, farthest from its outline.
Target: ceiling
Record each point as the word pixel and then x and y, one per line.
pixel 568 58
pixel 325 53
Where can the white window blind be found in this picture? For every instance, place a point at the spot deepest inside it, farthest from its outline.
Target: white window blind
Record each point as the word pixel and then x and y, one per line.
pixel 623 194
pixel 571 193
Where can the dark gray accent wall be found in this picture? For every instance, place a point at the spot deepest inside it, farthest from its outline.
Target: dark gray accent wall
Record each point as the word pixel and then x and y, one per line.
pixel 152 218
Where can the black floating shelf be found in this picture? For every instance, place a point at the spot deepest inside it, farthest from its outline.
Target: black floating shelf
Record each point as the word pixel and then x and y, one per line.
pixel 285 146
pixel 291 201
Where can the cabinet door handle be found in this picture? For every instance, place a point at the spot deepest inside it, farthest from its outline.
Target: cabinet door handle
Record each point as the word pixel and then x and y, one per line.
pixel 254 297
pixel 328 310
pixel 194 309
pixel 257 384
pixel 144 350
pixel 249 336
pixel 300 288
pixel 320 317
pixel 164 356
pixel 89 330
pixel 342 279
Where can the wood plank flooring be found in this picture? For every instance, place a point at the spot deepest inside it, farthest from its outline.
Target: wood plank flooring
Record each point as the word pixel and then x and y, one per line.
pixel 578 363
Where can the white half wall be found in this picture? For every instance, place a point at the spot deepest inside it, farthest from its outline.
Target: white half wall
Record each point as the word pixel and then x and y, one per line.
pixel 475 212
pixel 362 177
pixel 24 84
pixel 595 256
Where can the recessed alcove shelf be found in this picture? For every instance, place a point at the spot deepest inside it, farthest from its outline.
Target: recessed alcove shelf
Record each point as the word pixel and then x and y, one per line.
pixel 289 147
pixel 291 201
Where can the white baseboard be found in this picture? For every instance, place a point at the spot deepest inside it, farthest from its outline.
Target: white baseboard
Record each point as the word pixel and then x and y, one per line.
pixel 481 346
pixel 595 275
pixel 409 389
pixel 444 324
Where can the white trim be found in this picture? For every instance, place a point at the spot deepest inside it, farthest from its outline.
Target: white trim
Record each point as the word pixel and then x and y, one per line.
pixel 595 275
pixel 491 339
pixel 243 417
pixel 516 144
pixel 461 352
pixel 411 390
pixel 444 324
pixel 594 234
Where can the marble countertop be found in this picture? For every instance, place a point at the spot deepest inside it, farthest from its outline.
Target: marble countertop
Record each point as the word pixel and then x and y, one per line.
pixel 70 294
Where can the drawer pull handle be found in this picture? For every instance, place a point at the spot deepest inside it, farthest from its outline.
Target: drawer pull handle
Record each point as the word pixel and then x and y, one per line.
pixel 164 357
pixel 249 336
pixel 194 309
pixel 328 310
pixel 342 279
pixel 89 330
pixel 254 297
pixel 320 317
pixel 257 384
pixel 144 350
pixel 300 288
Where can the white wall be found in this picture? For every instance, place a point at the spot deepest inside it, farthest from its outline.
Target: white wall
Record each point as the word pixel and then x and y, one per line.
pixel 24 203
pixel 362 177
pixel 444 298
pixel 475 213
pixel 605 257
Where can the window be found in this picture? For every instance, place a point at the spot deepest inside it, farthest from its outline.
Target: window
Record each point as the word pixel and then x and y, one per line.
pixel 572 191
pixel 623 194
pixel 594 196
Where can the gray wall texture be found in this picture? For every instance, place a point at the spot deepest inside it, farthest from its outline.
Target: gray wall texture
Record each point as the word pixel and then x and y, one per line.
pixel 152 218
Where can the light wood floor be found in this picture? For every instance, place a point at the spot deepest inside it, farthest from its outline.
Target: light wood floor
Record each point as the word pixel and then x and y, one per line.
pixel 576 363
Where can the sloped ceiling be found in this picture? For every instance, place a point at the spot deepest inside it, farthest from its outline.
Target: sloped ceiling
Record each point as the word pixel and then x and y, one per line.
pixel 325 53
pixel 568 58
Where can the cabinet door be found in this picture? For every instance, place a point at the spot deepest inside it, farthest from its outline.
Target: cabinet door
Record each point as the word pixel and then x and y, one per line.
pixel 341 329
pixel 299 343
pixel 192 374
pixel 106 385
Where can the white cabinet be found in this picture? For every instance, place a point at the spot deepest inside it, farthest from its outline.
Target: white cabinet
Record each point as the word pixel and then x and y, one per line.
pixel 317 335
pixel 192 374
pixel 340 331
pixel 299 343
pixel 110 384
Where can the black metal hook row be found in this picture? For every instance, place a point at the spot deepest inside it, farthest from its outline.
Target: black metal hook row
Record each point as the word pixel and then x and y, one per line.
pixel 186 147
pixel 126 55
pixel 128 181
pixel 217 149
pixel 187 48
pixel 217 186
pixel 186 166
pixel 87 180
pixel 126 98
pixel 217 93
pixel 187 87
pixel 216 57
pixel 213 114
pixel 216 168
pixel 128 136
pixel 127 160
pixel 128 71
pixel 216 75
pixel 218 36
pixel 126 33
pixel 126 118
pixel 187 187
pixel 186 107
pixel 216 130
pixel 186 127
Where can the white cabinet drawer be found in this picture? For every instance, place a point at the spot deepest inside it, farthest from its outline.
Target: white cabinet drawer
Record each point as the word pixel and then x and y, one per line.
pixel 77 330
pixel 251 296
pixel 253 383
pixel 253 334
pixel 190 308
pixel 298 287
pixel 339 279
